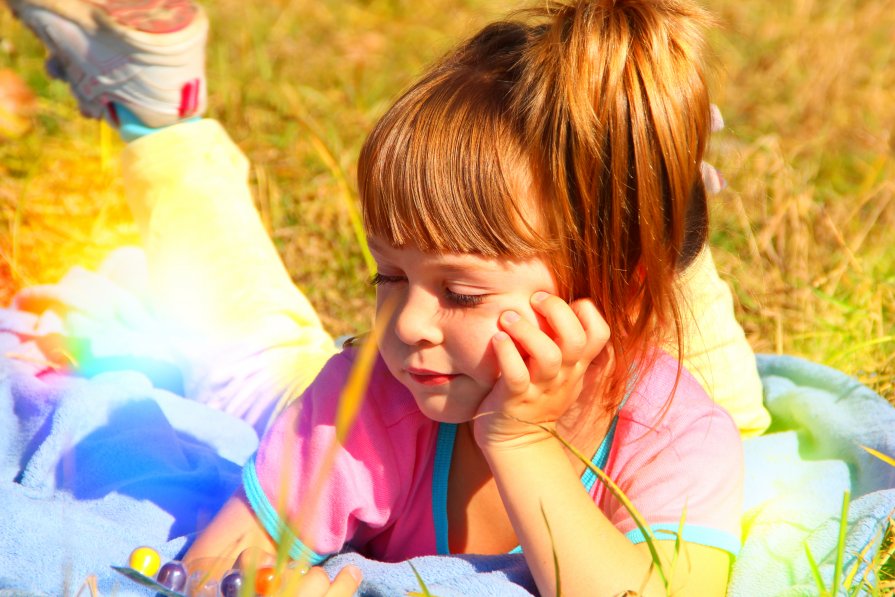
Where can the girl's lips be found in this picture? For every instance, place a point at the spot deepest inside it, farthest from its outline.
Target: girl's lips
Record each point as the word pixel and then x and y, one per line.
pixel 429 378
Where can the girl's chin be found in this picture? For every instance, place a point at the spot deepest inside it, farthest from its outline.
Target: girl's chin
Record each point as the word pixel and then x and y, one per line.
pixel 443 409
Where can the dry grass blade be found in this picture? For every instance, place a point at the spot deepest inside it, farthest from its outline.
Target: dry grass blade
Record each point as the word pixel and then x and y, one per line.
pixel 327 157
pixel 558 585
pixel 616 491
pixel 679 545
pixel 861 561
pixel 90 586
pixel 353 394
pixel 350 401
pixel 424 590
pixel 880 455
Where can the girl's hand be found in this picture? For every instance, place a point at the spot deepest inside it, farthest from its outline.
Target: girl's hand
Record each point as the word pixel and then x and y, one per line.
pixel 301 581
pixel 541 370
pixel 315 583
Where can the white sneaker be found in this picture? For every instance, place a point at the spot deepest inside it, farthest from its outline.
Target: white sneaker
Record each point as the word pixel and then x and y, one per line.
pixel 146 55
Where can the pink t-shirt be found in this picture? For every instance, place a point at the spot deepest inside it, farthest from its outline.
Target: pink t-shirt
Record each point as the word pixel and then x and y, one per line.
pixel 384 490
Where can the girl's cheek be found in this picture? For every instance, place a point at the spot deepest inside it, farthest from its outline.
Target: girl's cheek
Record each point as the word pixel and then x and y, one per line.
pixel 478 333
pixel 380 299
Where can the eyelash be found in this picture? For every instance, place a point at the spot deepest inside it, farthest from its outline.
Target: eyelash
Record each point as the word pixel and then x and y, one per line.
pixel 461 300
pixel 378 279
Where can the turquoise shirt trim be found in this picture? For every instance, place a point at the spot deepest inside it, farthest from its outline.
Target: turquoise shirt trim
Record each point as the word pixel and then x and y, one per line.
pixel 271 521
pixel 444 450
pixel 588 478
pixel 701 535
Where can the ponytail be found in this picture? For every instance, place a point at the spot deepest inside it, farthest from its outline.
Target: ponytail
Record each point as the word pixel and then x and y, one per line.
pixel 612 98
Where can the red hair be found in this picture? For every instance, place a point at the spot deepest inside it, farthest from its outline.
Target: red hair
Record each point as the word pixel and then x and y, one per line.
pixel 592 115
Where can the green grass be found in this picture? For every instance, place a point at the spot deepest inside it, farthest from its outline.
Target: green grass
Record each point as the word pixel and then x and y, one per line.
pixel 807 89
pixel 803 233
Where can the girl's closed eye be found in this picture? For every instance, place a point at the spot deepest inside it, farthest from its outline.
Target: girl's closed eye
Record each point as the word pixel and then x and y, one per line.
pixel 464 300
pixel 379 279
pixel 457 298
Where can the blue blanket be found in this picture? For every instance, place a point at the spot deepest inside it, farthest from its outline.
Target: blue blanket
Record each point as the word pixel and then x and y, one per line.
pixel 96 463
pixel 93 468
pixel 798 472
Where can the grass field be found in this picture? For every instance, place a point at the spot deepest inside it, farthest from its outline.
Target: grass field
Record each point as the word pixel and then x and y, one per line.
pixel 803 233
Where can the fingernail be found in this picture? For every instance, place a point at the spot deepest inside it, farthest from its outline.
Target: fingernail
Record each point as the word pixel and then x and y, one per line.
pixel 501 336
pixel 299 566
pixel 355 573
pixel 539 296
pixel 510 317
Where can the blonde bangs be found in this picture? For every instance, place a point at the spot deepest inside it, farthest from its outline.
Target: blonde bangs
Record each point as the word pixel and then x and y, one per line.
pixel 443 170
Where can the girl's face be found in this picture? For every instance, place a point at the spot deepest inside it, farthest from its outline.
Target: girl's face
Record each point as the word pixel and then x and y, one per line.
pixel 445 310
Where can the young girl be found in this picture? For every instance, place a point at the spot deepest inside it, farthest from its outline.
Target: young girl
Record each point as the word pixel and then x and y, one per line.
pixel 530 204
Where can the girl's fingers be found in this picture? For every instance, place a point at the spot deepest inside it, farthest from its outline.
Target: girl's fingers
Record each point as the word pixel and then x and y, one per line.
pixel 210 567
pixel 299 581
pixel 346 582
pixel 544 356
pixel 254 558
pixel 514 373
pixel 596 330
pixel 314 583
pixel 567 329
pixel 575 335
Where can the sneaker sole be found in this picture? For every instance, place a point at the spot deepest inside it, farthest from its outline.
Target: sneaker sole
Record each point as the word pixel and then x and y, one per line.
pixel 128 17
pixel 150 16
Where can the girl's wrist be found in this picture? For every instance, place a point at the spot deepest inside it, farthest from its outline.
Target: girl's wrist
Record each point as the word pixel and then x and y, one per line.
pixel 510 435
pixel 525 457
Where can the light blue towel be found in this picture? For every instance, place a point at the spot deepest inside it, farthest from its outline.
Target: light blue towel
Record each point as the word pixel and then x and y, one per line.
pixel 444 576
pixel 94 468
pixel 797 472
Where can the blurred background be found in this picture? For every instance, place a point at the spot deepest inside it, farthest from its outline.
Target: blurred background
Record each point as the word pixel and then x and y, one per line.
pixel 804 232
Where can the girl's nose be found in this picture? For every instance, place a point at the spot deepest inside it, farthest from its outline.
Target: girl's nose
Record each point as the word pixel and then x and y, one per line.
pixel 416 319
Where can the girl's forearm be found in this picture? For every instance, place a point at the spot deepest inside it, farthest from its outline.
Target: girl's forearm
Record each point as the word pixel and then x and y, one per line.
pixel 539 486
pixel 233 531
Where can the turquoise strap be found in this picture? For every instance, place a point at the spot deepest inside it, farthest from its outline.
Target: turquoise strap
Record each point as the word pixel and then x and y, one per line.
pixel 444 450
pixel 690 533
pixel 588 478
pixel 275 526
